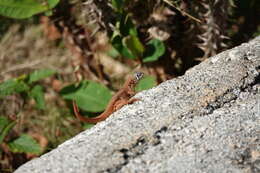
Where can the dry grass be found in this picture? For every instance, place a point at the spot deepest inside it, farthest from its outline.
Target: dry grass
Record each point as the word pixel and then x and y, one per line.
pixel 22 52
pixel 29 50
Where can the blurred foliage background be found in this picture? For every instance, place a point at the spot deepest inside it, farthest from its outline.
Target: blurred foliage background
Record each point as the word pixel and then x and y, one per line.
pixel 99 43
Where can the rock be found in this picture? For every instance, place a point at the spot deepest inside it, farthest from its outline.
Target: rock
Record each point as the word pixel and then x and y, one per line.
pixel 207 120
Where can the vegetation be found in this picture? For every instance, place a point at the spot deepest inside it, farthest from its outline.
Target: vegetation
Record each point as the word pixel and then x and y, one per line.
pixel 55 51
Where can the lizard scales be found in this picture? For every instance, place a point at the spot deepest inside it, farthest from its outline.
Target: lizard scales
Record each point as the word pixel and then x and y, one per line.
pixel 121 98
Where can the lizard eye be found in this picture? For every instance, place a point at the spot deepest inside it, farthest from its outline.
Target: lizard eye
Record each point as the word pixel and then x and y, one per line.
pixel 138 75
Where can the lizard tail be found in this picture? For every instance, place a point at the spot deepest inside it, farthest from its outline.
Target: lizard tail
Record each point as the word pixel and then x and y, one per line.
pixel 85 119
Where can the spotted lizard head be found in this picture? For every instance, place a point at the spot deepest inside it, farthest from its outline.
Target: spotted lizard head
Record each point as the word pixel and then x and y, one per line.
pixel 138 76
pixel 134 80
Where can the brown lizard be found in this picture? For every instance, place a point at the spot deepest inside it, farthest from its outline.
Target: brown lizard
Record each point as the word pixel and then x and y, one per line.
pixel 121 98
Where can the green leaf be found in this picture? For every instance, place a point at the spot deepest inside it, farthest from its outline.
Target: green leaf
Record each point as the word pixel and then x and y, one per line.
pixel 118 45
pixel 87 126
pixel 155 49
pixel 3 123
pixel 52 3
pixel 146 83
pixel 112 52
pixel 12 86
pixel 40 74
pixel 5 127
pixel 48 13
pixel 126 26
pixel 25 144
pixel 38 95
pixel 134 45
pixel 90 96
pixel 118 5
pixel 127 53
pixel 20 9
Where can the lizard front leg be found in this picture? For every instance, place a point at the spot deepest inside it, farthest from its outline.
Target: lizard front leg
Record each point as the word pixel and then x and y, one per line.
pixel 120 103
pixel 131 93
pixel 132 100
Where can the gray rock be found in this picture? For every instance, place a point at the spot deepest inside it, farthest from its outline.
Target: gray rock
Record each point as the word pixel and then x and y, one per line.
pixel 207 120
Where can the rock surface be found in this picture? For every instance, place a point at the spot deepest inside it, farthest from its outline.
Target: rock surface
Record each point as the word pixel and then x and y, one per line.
pixel 207 120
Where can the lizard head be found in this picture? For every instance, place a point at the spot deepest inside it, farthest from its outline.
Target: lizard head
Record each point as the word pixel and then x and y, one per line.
pixel 138 76
pixel 131 82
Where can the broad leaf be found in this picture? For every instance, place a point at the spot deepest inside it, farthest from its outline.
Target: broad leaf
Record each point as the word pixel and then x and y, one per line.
pixel 146 83
pixel 134 45
pixel 38 95
pixel 12 86
pixel 20 9
pixel 3 123
pixel 155 49
pixel 112 52
pixel 90 96
pixel 127 53
pixel 87 125
pixel 118 45
pixel 5 127
pixel 40 74
pixel 126 26
pixel 118 5
pixel 25 144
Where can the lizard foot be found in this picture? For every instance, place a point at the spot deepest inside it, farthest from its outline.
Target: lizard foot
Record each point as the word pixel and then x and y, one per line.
pixel 132 100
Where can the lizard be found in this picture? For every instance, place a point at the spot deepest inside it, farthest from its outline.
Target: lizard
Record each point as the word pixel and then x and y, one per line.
pixel 121 98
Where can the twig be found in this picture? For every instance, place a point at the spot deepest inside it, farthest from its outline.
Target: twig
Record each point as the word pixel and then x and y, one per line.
pixel 23 66
pixel 181 11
